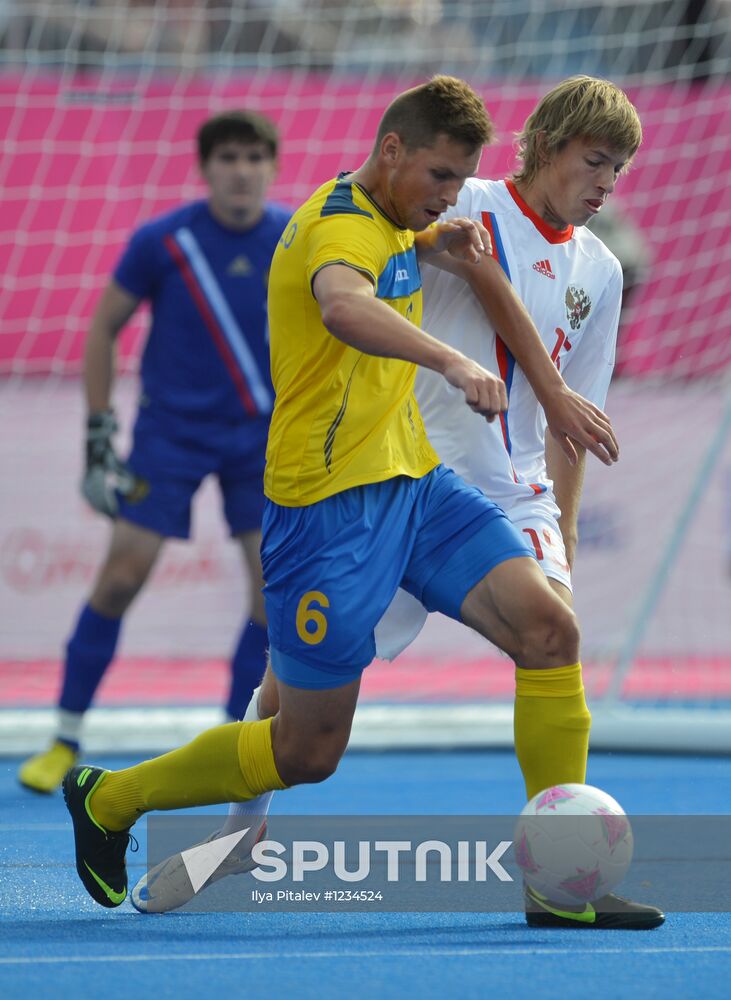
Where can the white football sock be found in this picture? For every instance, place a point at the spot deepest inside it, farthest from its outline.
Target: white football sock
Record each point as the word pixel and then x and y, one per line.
pixel 69 725
pixel 240 813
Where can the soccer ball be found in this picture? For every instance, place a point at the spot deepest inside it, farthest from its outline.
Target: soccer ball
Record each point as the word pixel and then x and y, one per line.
pixel 573 843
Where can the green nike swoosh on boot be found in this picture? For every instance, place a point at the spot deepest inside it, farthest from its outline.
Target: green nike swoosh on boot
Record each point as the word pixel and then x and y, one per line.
pixel 100 853
pixel 610 912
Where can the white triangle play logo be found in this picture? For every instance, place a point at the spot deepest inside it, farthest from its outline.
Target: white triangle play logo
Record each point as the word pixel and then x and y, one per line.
pixel 203 860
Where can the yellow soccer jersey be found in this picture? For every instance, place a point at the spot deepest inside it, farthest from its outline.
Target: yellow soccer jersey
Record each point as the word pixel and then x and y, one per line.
pixel 341 418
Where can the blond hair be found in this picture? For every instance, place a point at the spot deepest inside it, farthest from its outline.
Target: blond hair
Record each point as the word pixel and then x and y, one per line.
pixel 580 107
pixel 443 106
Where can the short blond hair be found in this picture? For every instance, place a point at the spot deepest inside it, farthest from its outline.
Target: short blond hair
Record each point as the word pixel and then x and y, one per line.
pixel 445 105
pixel 580 107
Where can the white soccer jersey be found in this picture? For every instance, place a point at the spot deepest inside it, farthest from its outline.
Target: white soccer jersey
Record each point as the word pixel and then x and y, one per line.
pixel 572 287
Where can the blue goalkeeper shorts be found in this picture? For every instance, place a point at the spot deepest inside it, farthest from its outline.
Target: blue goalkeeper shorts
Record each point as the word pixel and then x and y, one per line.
pixel 172 455
pixel 333 567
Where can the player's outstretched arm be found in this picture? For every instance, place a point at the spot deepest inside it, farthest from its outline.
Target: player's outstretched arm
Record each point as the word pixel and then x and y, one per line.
pixel 570 417
pixel 353 314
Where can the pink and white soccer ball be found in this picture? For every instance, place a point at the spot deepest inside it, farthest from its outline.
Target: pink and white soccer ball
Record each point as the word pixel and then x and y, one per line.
pixel 573 843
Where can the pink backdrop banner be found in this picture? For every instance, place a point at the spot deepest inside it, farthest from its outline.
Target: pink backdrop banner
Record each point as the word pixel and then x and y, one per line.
pixel 86 161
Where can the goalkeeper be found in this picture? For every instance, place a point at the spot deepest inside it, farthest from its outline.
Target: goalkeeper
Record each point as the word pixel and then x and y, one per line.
pixel 204 409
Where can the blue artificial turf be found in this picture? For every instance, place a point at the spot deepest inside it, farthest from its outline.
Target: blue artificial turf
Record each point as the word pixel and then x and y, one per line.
pixel 55 942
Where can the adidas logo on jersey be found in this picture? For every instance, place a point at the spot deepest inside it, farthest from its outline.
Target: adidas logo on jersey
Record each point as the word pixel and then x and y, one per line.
pixel 544 267
pixel 240 266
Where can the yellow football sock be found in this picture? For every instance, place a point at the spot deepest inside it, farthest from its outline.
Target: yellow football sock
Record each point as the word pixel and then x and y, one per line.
pixel 551 726
pixel 231 763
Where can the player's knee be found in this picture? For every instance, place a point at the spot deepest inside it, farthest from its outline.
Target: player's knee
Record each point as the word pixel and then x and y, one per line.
pixel 308 770
pixel 554 637
pixel 311 766
pixel 117 587
pixel 319 769
pixel 566 635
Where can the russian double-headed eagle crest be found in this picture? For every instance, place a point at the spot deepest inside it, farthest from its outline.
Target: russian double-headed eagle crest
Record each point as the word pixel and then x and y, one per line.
pixel 578 306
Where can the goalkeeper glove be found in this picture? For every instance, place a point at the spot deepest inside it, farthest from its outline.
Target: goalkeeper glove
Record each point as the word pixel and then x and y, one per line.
pixel 105 475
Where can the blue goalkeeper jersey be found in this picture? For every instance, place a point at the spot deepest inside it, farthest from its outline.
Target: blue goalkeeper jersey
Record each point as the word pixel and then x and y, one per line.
pixel 207 353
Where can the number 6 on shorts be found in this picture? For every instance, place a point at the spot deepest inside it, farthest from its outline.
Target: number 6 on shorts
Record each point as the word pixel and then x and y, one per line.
pixel 308 616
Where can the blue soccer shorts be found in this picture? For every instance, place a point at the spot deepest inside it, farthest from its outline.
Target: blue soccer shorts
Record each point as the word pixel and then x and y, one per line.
pixel 171 456
pixel 333 567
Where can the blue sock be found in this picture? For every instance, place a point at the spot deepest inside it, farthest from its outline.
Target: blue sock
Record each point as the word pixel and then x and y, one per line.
pixel 247 668
pixel 89 652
